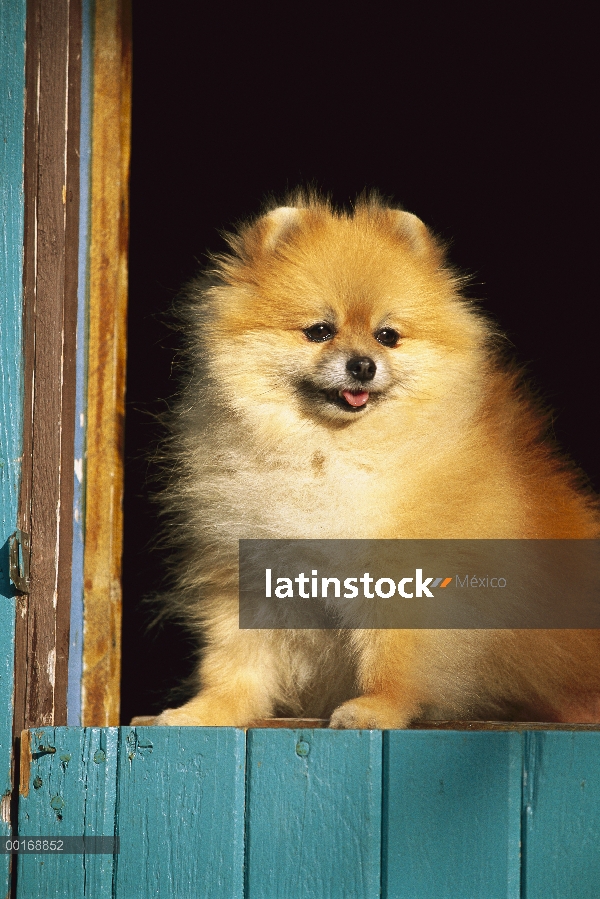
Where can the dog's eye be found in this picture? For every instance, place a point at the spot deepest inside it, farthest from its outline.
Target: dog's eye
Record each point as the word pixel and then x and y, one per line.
pixel 320 332
pixel 387 337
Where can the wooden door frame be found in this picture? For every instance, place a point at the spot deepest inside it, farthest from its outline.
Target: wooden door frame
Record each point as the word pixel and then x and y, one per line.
pixel 49 338
pixel 57 257
pixel 106 355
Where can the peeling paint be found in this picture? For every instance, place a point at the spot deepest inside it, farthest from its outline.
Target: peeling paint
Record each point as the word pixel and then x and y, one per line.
pixel 5 809
pixel 56 551
pixel 25 763
pixel 51 666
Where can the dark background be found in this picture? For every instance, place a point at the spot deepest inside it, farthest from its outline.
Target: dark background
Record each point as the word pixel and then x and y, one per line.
pixel 483 125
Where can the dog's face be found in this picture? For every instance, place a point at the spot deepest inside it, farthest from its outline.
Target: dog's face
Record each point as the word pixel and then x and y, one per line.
pixel 331 316
pixel 353 371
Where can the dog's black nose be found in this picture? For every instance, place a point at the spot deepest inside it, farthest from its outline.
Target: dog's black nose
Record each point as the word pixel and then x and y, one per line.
pixel 362 368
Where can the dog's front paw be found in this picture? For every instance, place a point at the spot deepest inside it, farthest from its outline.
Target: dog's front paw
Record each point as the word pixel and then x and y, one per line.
pixel 370 713
pixel 211 709
pixel 176 718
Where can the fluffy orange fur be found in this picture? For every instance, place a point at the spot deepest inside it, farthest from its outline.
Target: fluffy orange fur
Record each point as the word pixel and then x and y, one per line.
pixel 447 445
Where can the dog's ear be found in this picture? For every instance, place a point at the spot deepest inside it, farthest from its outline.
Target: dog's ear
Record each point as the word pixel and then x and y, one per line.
pixel 262 237
pixel 277 224
pixel 413 231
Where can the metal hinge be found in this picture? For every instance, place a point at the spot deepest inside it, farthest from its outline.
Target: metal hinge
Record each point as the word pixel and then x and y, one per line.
pixel 19 561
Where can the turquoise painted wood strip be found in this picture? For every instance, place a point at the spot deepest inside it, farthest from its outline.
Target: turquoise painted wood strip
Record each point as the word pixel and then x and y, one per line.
pixel 7 654
pixel 451 817
pixel 313 814
pixel 561 815
pixel 181 813
pixel 71 792
pixel 12 112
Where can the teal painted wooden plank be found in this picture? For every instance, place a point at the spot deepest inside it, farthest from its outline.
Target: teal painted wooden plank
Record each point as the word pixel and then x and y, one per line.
pixel 71 792
pixel 313 814
pixel 451 820
pixel 7 654
pixel 181 813
pixel 12 113
pixel 561 820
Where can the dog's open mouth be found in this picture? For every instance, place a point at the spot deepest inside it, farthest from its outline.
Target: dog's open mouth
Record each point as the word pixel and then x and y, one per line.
pixel 356 398
pixel 347 399
pixel 350 400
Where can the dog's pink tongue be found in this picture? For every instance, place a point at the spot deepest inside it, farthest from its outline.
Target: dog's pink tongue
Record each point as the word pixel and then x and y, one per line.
pixel 356 399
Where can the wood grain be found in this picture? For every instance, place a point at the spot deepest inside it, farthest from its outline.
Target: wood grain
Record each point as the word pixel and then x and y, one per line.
pixel 55 335
pixel 519 726
pixel 71 792
pixel 451 815
pixel 303 812
pixel 561 816
pixel 313 814
pixel 181 796
pixel 50 309
pixel 106 362
pixel 12 114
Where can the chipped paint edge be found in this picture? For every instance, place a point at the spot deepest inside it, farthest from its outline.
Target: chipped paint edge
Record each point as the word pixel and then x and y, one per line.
pixel 25 769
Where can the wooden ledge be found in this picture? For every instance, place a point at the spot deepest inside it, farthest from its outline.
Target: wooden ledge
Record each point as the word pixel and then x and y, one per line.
pixel 314 723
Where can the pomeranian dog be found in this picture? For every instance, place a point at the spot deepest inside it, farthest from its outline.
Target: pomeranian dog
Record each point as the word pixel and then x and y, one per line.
pixel 341 387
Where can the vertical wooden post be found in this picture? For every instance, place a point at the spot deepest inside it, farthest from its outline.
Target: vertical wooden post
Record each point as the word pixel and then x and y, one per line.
pixel 50 313
pixel 106 362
